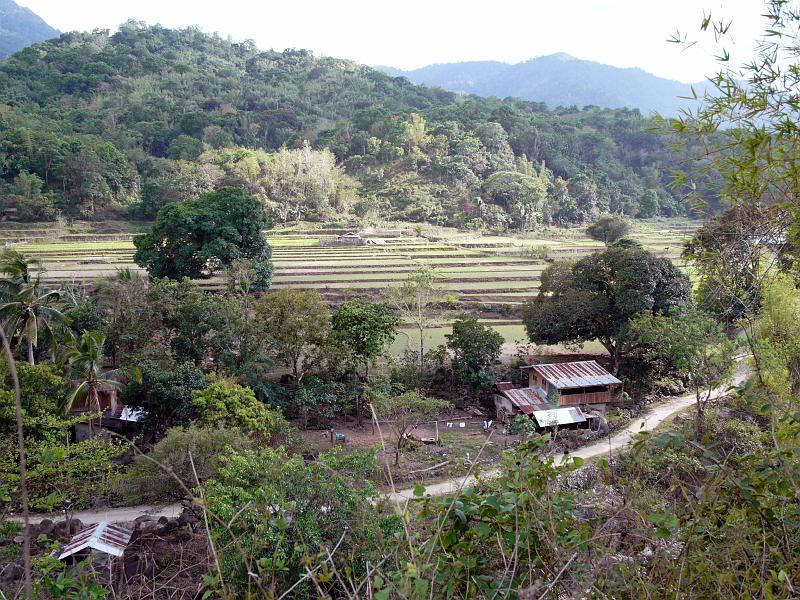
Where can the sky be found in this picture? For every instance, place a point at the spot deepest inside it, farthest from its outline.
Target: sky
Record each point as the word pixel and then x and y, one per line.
pixel 412 33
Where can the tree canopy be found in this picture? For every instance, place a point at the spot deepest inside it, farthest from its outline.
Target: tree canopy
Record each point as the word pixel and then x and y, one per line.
pixel 596 298
pixel 197 237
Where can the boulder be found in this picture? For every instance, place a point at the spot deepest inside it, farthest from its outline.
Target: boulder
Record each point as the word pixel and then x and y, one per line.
pixel 13 571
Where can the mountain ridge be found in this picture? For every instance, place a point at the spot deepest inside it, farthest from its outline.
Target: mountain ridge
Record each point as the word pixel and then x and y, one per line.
pixel 21 27
pixel 558 79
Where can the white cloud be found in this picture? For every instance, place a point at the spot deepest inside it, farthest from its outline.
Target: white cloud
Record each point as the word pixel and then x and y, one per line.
pixel 413 33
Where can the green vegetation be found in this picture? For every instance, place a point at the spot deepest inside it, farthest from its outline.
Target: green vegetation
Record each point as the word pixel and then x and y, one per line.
pixel 157 116
pixel 193 238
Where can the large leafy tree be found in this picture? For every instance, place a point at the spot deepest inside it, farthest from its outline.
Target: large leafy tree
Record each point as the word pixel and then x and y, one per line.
pixel 362 330
pixel 693 345
pixel 299 323
pixel 475 349
pixel 197 237
pixel 596 298
pixel 609 228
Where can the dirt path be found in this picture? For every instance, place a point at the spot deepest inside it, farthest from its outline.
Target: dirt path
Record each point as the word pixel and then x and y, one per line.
pixel 618 441
pixel 113 515
pixel 607 446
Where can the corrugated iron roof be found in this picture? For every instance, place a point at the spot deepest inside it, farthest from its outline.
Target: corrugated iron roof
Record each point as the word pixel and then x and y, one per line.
pixel 585 373
pixel 504 385
pixel 559 416
pixel 101 536
pixel 527 399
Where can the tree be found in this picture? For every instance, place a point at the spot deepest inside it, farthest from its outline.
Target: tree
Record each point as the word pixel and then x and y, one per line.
pixel 192 455
pixel 523 196
pixel 406 412
pixel 694 346
pixel 596 298
pixel 226 404
pixel 413 299
pixel 165 395
pixel 363 329
pixel 299 323
pixel 609 228
pixel 31 313
pixel 475 349
pixel 283 511
pixel 197 237
pixel 86 368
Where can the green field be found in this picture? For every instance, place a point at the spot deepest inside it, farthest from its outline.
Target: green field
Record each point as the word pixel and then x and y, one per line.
pixel 490 276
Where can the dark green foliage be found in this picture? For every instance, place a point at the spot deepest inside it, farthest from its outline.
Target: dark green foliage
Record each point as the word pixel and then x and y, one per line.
pixel 475 349
pixel 195 238
pixel 165 394
pixel 363 329
pixel 595 298
pixel 418 154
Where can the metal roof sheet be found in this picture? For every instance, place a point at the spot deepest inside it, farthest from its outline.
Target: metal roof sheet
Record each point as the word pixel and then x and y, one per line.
pixel 527 399
pixel 101 536
pixel 585 373
pixel 559 416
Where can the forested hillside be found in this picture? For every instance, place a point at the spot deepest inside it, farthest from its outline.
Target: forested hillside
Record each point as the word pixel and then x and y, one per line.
pixel 94 125
pixel 19 27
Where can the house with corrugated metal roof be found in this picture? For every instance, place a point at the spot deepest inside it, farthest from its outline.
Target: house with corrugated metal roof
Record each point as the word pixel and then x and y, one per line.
pixel 581 383
pixel 558 394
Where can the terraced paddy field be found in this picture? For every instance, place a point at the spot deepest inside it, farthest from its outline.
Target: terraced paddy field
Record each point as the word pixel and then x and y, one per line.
pixel 490 276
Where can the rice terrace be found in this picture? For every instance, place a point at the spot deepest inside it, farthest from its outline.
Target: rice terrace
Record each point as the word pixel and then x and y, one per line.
pixel 487 275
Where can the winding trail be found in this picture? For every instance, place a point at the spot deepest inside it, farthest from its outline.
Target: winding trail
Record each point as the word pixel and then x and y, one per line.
pixel 620 440
pixel 605 446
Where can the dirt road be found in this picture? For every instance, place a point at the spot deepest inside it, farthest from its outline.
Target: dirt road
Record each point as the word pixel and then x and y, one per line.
pixel 606 446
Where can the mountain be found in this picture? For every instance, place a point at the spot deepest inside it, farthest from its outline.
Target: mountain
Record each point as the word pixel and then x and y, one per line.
pixel 20 27
pixel 558 80
pixel 96 124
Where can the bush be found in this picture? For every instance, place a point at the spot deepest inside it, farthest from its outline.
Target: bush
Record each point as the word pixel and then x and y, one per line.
pixel 522 425
pixel 155 477
pixel 225 404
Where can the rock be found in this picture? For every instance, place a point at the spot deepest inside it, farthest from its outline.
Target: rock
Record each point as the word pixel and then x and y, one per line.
pixel 75 526
pixel 167 526
pixel 147 527
pixel 183 536
pixel 45 527
pixel 14 571
pixel 142 519
pixel 162 520
pixel 18 539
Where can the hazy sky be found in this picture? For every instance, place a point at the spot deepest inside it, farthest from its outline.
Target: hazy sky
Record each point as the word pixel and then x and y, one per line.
pixel 413 33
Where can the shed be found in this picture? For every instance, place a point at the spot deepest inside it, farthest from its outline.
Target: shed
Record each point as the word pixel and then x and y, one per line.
pixel 510 401
pixel 577 383
pixel 100 537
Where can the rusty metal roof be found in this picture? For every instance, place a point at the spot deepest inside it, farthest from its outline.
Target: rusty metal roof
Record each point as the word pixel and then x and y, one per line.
pixel 585 373
pixel 527 399
pixel 102 537
pixel 559 416
pixel 504 385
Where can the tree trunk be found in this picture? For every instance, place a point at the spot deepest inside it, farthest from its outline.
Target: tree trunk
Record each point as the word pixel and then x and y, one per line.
pixel 421 348
pixel 30 351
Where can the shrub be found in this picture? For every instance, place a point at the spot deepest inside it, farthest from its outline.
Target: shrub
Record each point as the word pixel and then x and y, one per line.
pixel 155 476
pixel 522 425
pixel 225 404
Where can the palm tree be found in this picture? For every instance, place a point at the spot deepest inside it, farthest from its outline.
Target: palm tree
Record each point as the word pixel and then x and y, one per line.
pixel 31 310
pixel 86 369
pixel 15 269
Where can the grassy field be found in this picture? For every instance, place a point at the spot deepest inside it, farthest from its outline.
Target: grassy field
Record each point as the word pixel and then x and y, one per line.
pixel 490 276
